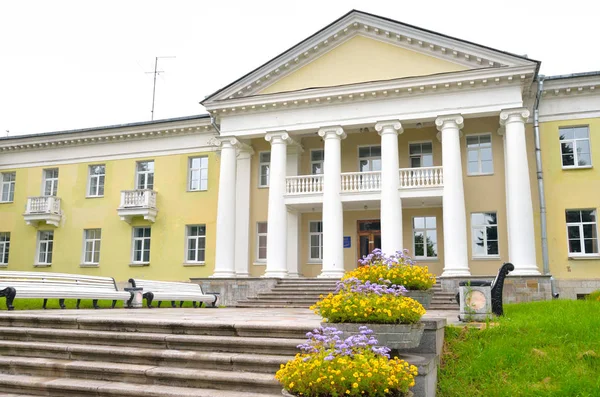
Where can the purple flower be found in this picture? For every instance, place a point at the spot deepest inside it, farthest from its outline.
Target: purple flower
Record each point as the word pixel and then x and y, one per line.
pixel 328 340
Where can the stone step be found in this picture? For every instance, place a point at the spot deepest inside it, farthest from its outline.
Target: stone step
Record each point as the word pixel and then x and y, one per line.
pixel 64 387
pixel 137 325
pixel 223 361
pixel 295 295
pixel 282 301
pixel 206 343
pixel 244 304
pixel 286 288
pixel 140 374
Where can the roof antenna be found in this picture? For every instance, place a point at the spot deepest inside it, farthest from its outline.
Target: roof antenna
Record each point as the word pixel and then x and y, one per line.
pixel 156 72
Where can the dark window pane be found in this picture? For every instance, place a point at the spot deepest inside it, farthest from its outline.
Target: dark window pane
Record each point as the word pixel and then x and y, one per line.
pixel 415 148
pixel 588 216
pixel 573 216
pixel 492 248
pixel 314 253
pixel 419 250
pixel 573 232
pixel 472 141
pixel 574 246
pixel 376 151
pixel 589 231
pixel 591 246
pixel 490 218
pixel 364 152
pixel 568 159
pixel 415 162
pixel 492 233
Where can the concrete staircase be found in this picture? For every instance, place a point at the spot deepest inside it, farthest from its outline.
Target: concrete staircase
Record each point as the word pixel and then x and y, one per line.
pixel 59 356
pixel 304 292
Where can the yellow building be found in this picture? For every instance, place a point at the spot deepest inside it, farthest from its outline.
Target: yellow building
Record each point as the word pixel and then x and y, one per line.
pixel 369 134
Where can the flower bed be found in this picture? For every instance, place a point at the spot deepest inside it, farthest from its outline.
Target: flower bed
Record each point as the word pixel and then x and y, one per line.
pixel 330 366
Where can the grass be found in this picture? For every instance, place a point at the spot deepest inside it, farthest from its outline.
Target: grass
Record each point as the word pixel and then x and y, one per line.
pixel 36 304
pixel 549 348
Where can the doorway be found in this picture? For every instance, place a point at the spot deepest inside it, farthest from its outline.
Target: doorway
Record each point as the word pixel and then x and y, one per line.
pixel 369 236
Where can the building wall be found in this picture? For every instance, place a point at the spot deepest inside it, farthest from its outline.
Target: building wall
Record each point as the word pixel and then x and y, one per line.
pixel 177 208
pixel 568 189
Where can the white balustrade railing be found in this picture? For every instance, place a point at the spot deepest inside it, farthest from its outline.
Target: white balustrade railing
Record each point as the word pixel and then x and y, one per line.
pixel 138 198
pixel 43 205
pixel 421 177
pixel 361 181
pixel 304 184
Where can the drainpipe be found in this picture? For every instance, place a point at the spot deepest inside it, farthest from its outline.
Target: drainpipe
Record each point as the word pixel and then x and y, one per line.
pixel 540 180
pixel 214 124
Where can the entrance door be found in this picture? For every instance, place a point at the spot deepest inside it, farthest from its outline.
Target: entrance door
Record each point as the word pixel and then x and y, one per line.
pixel 369 236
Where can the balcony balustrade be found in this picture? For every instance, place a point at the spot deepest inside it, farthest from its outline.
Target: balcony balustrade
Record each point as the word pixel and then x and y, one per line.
pixel 43 209
pixel 361 181
pixel 304 184
pixel 138 203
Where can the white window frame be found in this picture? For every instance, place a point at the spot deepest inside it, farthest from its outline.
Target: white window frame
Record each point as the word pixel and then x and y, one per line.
pixel 95 241
pixel 202 177
pixel 4 248
pixel 420 156
pixel 258 236
pixel 262 164
pixel 146 241
pixel 53 182
pixel 46 242
pixel 310 246
pixel 369 159
pixel 98 178
pixel 475 228
pixel 196 238
pixel 580 224
pixel 574 141
pixel 8 187
pixel 424 231
pixel 316 162
pixel 145 173
pixel 478 150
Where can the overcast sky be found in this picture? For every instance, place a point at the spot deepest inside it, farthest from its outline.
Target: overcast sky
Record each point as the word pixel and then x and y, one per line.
pixel 77 64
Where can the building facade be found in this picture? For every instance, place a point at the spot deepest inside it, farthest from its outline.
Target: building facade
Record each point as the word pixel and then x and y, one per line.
pixel 369 134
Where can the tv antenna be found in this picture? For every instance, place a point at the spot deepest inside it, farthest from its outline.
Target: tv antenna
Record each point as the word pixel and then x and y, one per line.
pixel 156 72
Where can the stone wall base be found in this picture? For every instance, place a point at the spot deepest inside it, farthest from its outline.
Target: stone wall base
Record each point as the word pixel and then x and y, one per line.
pixel 232 290
pixel 516 289
pixel 569 289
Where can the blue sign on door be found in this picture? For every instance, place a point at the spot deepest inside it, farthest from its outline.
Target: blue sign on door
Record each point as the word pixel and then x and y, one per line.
pixel 347 242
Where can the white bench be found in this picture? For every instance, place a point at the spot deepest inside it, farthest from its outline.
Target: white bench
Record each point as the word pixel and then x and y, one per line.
pixel 59 286
pixel 173 291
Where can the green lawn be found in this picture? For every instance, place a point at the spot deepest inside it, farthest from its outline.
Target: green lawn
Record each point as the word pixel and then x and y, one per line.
pixel 547 348
pixel 36 304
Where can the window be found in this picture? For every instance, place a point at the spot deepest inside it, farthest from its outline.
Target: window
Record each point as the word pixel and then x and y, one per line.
pixel 51 182
pixel 141 245
pixel 91 246
pixel 264 168
pixel 315 237
pixel 7 186
pixel 198 174
pixel 145 175
pixel 45 246
pixel 484 234
pixel 421 154
pixel 316 161
pixel 479 155
pixel 425 237
pixel 196 243
pixel 575 147
pixel 4 247
pixel 96 180
pixel 582 232
pixel 261 241
pixel 369 158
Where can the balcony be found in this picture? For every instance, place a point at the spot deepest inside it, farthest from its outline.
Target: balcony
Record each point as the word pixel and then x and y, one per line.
pixel 43 209
pixel 138 203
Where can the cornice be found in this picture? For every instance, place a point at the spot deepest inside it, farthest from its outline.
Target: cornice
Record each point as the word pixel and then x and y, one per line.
pixel 571 87
pixel 39 142
pixel 412 38
pixel 472 79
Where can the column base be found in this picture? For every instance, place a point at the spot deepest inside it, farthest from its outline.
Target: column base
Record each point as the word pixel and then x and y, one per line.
pixel 223 274
pixel 456 273
pixel 242 275
pixel 276 274
pixel 294 275
pixel 525 271
pixel 331 274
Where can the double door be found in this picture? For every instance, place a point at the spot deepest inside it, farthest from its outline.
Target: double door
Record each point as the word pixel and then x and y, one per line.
pixel 369 236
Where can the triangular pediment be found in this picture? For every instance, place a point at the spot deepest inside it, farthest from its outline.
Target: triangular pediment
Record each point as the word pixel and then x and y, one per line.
pixel 361 47
pixel 362 59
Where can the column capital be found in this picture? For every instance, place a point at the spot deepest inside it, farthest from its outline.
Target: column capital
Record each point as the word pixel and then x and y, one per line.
pixel 389 126
pixel 225 142
pixel 449 121
pixel 514 115
pixel 335 131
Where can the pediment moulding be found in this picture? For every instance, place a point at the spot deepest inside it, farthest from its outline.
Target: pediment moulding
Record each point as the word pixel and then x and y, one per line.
pixel 100 136
pixel 359 23
pixel 425 85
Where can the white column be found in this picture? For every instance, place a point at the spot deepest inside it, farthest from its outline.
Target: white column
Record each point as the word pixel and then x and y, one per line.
pixel 391 204
pixel 277 213
pixel 225 247
pixel 521 237
pixel 293 217
pixel 242 213
pixel 456 260
pixel 333 213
